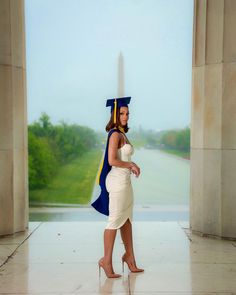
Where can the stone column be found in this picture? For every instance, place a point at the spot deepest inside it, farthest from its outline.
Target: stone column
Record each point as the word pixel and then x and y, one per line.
pixel 213 126
pixel 13 119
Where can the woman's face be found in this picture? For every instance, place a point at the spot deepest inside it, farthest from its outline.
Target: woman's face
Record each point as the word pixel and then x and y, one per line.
pixel 124 115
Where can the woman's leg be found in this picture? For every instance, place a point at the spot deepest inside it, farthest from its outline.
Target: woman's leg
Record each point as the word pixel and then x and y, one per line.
pixel 109 240
pixel 127 237
pixel 106 261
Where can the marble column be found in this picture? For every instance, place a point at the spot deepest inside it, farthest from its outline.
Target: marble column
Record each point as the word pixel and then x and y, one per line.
pixel 13 119
pixel 213 123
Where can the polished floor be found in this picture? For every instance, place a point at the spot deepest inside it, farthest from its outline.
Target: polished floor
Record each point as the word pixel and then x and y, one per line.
pixel 61 258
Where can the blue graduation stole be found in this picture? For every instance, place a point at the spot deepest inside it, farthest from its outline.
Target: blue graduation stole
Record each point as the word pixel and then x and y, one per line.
pixel 101 204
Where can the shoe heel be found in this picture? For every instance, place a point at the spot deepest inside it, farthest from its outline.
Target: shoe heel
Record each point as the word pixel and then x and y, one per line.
pixel 122 265
pixel 99 270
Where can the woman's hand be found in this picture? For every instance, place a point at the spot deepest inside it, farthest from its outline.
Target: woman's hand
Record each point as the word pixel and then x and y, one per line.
pixel 135 169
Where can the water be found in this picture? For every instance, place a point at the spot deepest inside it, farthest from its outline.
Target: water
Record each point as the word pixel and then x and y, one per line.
pixel 161 192
pixel 164 178
pixel 89 214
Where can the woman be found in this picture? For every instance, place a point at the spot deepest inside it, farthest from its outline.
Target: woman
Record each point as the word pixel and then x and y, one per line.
pixel 117 167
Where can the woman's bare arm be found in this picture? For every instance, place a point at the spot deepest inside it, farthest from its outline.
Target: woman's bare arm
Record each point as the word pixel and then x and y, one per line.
pixel 112 152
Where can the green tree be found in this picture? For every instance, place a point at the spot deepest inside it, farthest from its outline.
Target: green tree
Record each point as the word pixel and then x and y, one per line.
pixel 42 162
pixel 52 145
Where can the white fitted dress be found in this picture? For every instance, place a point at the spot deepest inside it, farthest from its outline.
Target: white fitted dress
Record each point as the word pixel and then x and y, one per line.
pixel 119 187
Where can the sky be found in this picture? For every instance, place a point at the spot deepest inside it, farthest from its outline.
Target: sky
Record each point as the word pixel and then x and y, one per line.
pixel 72 50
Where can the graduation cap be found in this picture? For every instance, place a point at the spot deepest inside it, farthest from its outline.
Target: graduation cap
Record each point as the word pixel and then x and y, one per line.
pixel 118 102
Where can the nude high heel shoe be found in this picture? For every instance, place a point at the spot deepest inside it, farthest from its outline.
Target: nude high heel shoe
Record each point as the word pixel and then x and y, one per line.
pixel 109 275
pixel 131 265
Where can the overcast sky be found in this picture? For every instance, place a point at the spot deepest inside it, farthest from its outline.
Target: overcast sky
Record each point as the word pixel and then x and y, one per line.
pixel 72 50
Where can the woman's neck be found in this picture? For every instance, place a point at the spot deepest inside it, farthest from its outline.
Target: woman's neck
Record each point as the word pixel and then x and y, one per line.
pixel 121 129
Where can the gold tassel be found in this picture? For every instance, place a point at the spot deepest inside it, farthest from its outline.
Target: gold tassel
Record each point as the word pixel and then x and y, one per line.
pixel 99 170
pixel 115 108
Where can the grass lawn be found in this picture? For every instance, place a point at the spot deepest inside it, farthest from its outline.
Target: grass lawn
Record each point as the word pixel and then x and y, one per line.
pixel 73 183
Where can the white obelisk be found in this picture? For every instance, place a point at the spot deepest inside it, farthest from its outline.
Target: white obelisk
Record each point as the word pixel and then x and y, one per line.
pixel 121 83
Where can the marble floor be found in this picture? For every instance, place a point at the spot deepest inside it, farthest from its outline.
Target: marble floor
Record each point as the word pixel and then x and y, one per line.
pixel 61 258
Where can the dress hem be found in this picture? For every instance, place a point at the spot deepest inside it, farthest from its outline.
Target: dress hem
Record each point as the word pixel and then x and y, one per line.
pixel 121 224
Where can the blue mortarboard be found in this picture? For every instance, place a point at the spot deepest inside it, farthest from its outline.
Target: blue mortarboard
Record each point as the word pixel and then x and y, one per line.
pixel 117 102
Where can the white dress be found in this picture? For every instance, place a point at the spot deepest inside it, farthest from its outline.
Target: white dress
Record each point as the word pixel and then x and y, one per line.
pixel 119 187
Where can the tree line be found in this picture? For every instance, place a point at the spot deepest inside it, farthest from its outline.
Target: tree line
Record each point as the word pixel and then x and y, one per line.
pixel 176 139
pixel 50 146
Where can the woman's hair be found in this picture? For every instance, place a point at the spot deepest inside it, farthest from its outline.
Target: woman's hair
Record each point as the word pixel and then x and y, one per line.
pixel 111 124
